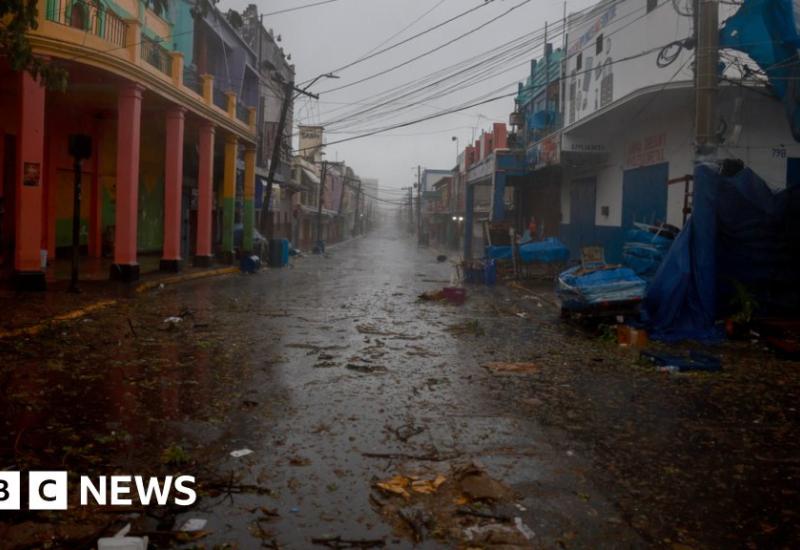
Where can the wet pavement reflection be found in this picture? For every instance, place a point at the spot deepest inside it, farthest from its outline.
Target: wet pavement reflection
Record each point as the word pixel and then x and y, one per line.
pixel 336 376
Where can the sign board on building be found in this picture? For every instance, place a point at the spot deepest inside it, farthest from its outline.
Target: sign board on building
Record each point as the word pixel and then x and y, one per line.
pixel 578 145
pixel 310 141
pixel 646 151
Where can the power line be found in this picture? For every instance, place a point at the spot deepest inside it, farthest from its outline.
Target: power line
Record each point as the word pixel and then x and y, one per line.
pixel 498 54
pixel 287 10
pixel 429 52
pixel 390 96
pixel 484 101
pixel 414 37
pixel 404 29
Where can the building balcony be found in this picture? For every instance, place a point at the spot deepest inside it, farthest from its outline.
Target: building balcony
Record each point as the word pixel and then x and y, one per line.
pixel 89 33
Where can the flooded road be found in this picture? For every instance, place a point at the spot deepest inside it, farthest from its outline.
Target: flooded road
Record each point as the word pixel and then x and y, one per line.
pixel 336 376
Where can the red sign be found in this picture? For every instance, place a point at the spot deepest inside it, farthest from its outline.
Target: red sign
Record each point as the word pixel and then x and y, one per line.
pixel 647 151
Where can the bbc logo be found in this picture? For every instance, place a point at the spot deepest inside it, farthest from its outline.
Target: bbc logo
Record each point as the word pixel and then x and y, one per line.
pixel 47 490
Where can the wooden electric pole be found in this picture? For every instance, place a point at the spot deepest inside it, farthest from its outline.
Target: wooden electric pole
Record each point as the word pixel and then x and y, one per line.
pixel 288 97
pixel 356 221
pixel 706 76
pixel 320 246
pixel 419 204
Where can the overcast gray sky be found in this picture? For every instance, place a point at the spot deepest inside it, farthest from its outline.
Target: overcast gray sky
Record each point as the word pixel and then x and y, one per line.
pixel 326 37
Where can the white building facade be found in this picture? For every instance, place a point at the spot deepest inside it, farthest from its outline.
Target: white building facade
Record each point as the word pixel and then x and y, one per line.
pixel 628 111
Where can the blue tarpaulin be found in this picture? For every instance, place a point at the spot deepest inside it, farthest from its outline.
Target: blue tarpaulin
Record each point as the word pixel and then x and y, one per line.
pixel 578 287
pixel 740 231
pixel 767 31
pixel 644 251
pixel 548 250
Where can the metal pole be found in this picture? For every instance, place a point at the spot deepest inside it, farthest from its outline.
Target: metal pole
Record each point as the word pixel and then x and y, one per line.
pixel 546 82
pixel 276 153
pixel 411 209
pixel 419 204
pixel 320 247
pixel 356 222
pixel 76 227
pixel 707 30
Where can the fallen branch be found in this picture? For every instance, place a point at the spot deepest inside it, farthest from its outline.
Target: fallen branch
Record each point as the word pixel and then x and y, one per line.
pixel 339 542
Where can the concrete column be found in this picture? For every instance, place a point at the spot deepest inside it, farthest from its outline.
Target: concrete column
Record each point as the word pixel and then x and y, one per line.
pixel 173 183
pixel 249 198
pixel 231 103
pixel 469 207
pixel 205 176
pixel 176 61
pixel 133 39
pixel 229 197
pixel 129 120
pixel 498 196
pixel 208 88
pixel 28 272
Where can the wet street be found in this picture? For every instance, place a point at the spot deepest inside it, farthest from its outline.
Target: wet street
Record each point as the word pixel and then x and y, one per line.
pixel 337 378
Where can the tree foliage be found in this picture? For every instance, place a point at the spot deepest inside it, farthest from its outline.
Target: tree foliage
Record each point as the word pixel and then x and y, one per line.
pixel 17 17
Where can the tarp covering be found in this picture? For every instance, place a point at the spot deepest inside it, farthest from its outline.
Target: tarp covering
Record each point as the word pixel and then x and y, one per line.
pixel 767 31
pixel 549 250
pixel 644 251
pixel 740 232
pixel 578 287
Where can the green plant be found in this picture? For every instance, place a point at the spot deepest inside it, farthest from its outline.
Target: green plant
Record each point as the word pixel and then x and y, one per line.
pixel 17 17
pixel 743 303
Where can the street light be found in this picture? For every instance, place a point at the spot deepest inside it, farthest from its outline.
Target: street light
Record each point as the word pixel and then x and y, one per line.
pixel 455 138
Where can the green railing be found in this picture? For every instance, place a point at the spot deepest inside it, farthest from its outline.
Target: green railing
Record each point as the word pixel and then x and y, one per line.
pixel 156 55
pixel 88 16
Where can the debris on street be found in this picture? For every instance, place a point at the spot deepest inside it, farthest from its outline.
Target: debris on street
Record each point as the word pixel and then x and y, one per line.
pixel 511 368
pixel 239 453
pixel 465 505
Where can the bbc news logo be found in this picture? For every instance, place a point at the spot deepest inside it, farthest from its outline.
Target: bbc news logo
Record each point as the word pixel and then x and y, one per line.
pixel 49 490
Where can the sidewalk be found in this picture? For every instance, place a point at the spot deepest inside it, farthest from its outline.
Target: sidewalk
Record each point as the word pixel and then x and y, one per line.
pixel 29 312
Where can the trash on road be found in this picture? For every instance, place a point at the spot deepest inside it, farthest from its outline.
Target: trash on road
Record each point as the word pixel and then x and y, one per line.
pixel 456 507
pixel 628 336
pixel 441 258
pixel 173 319
pixel 502 368
pixel 193 524
pixel 695 361
pixel 404 485
pixel 239 453
pixel 473 328
pixel 452 294
pixel 367 369
pixel 120 541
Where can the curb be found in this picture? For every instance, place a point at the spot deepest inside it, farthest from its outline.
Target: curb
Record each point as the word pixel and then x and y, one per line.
pixel 175 279
pixel 102 304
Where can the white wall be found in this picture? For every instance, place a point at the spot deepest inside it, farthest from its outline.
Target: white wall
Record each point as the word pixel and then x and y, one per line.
pixel 627 30
pixel 664 132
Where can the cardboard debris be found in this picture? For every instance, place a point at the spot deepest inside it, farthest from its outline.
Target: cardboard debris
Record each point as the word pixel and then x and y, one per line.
pixel 511 368
pixel 401 485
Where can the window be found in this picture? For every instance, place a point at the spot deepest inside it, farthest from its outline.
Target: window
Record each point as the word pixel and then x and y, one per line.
pixel 598 44
pixel 651 5
pixel 579 61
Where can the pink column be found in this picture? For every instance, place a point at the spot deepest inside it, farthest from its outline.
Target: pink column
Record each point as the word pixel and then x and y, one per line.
pixel 173 182
pixel 29 200
pixel 129 120
pixel 205 175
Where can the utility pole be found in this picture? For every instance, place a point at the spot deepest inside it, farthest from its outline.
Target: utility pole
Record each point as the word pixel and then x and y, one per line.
pixel 320 245
pixel 706 62
pixel 356 222
pixel 289 87
pixel 419 204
